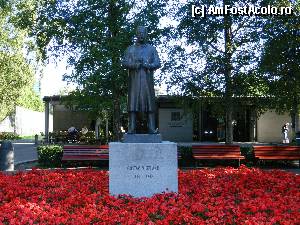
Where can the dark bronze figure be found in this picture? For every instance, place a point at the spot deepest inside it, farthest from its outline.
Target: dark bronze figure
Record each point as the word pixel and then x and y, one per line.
pixel 141 60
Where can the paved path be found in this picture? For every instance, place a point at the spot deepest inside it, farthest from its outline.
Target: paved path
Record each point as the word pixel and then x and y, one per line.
pixel 24 151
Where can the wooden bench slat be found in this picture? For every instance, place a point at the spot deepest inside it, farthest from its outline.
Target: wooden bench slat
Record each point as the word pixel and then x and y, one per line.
pixel 211 152
pixel 216 152
pixel 214 148
pixel 279 158
pixel 85 146
pixel 277 152
pixel 89 153
pixel 85 152
pixel 219 157
pixel 74 157
pixel 84 158
pixel 219 152
pixel 86 149
pixel 90 156
pixel 275 147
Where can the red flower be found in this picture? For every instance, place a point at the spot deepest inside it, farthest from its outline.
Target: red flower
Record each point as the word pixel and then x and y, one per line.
pixel 209 196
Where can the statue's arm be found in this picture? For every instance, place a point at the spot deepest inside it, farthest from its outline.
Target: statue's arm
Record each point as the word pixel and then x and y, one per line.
pixel 156 61
pixel 127 61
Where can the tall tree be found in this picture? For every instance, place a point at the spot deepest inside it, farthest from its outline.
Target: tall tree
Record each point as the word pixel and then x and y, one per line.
pixel 30 99
pixel 95 35
pixel 281 60
pixel 214 53
pixel 16 71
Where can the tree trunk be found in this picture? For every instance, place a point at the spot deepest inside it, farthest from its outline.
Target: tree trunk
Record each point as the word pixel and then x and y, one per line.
pixel 295 117
pixel 113 11
pixel 227 74
pixel 297 122
pixel 229 127
pixel 117 134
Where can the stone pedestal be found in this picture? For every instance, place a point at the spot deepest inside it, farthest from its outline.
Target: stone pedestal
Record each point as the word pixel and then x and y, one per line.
pixel 142 169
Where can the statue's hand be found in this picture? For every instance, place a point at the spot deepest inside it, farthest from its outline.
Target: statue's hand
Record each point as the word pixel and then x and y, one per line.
pixel 146 65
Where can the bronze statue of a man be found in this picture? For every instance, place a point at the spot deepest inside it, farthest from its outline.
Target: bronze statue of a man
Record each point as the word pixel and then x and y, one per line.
pixel 141 60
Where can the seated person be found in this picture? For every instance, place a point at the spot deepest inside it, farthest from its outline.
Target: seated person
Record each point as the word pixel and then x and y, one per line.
pixel 84 130
pixel 72 133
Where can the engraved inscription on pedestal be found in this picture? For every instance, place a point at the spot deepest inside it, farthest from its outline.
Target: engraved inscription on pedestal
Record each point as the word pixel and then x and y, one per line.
pixel 142 169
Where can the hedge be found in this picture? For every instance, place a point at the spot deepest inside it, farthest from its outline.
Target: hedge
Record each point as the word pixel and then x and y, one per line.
pixel 50 155
pixel 8 136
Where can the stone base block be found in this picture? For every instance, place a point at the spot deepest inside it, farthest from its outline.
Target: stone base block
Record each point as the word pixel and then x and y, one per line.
pixel 142 169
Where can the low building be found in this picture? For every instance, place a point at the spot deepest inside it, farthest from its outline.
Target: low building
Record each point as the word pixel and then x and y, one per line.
pixel 184 124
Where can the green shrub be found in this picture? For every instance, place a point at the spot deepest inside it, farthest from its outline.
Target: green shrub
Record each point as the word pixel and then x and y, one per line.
pixel 63 137
pixel 8 136
pixel 88 138
pixel 50 155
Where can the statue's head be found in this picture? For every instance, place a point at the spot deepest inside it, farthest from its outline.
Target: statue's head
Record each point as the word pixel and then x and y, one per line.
pixel 141 34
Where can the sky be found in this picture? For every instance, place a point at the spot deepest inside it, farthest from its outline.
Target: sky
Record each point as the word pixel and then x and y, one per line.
pixel 52 82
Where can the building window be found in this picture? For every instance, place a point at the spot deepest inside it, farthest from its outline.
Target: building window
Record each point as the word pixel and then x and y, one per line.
pixel 175 116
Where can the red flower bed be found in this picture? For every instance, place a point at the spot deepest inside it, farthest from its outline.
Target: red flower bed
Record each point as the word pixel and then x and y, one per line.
pixel 217 196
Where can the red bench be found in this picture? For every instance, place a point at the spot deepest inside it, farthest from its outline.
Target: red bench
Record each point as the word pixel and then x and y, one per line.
pixel 85 152
pixel 218 152
pixel 277 152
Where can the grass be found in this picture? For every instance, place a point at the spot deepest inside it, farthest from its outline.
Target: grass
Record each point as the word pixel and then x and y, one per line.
pixel 30 137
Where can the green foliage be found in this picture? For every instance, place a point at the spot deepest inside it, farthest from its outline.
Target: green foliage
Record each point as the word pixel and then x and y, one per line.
pixel 88 138
pixel 280 62
pixel 62 137
pixel 95 34
pixel 281 56
pixel 16 73
pixel 216 56
pixel 50 155
pixel 58 136
pixel 30 100
pixel 207 39
pixel 8 136
pixel 27 137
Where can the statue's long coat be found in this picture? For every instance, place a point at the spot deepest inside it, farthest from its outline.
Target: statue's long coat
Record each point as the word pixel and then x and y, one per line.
pixel 141 96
